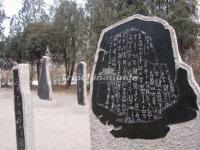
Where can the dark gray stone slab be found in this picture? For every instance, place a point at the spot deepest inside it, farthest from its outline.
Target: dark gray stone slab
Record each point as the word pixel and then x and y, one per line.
pixel 81 83
pixel 135 83
pixel 44 87
pixel 23 108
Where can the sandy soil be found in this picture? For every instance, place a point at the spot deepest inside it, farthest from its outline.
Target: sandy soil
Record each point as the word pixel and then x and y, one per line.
pixel 59 125
pixel 64 125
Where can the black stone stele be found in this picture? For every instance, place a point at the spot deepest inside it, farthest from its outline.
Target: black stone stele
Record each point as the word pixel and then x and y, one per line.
pixel 135 82
pixel 81 83
pixel 44 87
pixel 18 112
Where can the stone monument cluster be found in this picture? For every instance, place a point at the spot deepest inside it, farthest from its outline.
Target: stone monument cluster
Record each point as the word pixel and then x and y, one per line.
pixel 139 83
pixel 23 103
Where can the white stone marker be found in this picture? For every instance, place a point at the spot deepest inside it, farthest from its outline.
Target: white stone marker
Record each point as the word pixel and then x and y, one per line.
pixel 23 108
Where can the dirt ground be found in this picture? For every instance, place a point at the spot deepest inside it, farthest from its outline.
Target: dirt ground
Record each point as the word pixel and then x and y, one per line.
pixel 62 124
pixel 59 125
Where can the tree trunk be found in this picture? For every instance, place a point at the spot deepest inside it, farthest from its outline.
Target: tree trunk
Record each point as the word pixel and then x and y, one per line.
pixel 66 68
pixel 38 70
pixel 90 69
pixel 66 74
pixel 71 73
pixel 52 80
pixel 31 74
pixel 167 7
pixel 73 46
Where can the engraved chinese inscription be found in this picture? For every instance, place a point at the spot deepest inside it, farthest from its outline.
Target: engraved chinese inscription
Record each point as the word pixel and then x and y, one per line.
pixel 148 91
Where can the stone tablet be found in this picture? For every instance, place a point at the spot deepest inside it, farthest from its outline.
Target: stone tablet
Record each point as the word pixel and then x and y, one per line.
pixel 81 83
pixel 23 108
pixel 133 81
pixel 44 87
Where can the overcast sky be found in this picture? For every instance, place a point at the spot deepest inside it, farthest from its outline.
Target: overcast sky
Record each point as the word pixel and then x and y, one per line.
pixel 12 7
